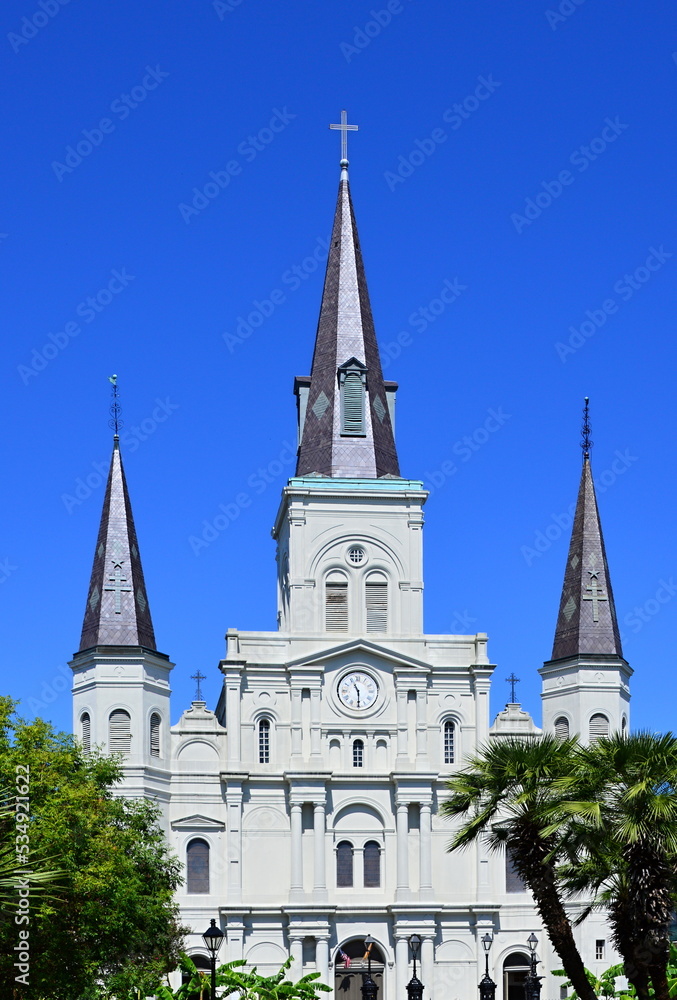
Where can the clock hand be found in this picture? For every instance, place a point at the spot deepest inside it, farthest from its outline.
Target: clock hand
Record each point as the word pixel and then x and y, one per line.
pixel 358 694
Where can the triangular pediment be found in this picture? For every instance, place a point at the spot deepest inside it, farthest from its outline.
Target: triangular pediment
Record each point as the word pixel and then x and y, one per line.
pixel 363 646
pixel 197 822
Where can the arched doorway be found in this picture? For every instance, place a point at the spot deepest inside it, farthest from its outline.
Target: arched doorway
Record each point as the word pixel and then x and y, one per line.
pixel 350 969
pixel 515 969
pixel 203 965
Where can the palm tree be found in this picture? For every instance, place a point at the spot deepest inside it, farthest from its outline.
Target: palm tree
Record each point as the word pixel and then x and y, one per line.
pixel 622 846
pixel 507 795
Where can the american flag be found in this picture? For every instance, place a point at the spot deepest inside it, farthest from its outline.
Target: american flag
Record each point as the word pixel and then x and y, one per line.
pixel 344 957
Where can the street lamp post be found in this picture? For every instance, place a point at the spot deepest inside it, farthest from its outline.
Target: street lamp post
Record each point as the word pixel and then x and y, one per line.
pixel 212 938
pixel 369 987
pixel 415 987
pixel 487 986
pixel 532 982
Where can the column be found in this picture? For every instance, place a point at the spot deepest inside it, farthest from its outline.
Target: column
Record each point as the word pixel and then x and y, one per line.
pixel 421 726
pixel 320 881
pixel 235 938
pixel 401 966
pixel 296 952
pixel 402 724
pixel 296 731
pixel 232 682
pixel 234 840
pixel 315 729
pixel 322 959
pixel 402 850
pixel 427 965
pixel 425 851
pixel 296 850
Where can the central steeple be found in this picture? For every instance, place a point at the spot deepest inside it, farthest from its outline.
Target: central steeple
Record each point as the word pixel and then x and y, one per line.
pixel 345 407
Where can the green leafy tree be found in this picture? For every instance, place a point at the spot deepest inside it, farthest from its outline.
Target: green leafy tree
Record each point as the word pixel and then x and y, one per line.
pixel 234 978
pixel 508 796
pixel 112 911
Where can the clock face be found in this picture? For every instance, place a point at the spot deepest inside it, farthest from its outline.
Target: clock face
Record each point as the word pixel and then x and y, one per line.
pixel 358 690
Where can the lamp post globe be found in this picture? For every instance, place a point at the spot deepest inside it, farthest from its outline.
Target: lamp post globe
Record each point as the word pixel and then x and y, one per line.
pixel 213 938
pixel 487 986
pixel 415 987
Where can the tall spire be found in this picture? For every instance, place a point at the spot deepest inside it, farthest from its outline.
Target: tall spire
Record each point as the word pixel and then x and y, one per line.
pixel 117 612
pixel 587 624
pixel 346 426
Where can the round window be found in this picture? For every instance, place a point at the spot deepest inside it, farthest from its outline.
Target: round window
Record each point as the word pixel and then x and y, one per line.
pixel 356 555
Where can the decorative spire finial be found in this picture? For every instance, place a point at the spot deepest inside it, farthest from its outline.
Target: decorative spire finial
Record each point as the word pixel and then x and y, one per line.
pixel 512 680
pixel 344 128
pixel 586 440
pixel 115 423
pixel 198 677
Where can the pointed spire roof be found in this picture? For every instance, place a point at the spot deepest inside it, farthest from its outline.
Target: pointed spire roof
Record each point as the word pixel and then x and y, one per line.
pixel 587 623
pixel 345 333
pixel 117 611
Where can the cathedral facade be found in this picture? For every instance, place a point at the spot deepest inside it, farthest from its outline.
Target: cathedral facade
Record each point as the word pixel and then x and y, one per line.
pixel 304 805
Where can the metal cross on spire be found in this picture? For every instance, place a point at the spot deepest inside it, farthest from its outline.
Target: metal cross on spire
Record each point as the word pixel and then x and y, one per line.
pixel 115 423
pixel 512 680
pixel 586 440
pixel 344 128
pixel 198 677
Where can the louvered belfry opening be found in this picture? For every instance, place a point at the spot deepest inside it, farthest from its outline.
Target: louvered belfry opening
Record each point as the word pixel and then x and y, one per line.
pixel 449 734
pixel 344 864
pixel 372 865
pixel 376 602
pixel 352 403
pixel 599 727
pixel 120 731
pixel 197 866
pixel 336 603
pixel 155 735
pixel 264 741
pixel 86 732
pixel 562 728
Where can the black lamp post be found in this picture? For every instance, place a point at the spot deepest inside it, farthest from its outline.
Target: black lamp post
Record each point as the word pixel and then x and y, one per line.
pixel 487 986
pixel 415 987
pixel 369 987
pixel 212 938
pixel 532 982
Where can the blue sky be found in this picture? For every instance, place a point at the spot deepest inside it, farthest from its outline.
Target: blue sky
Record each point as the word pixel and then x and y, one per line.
pixel 520 154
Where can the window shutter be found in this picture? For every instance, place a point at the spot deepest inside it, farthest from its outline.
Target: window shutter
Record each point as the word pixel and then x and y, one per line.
pixel 562 728
pixel 372 865
pixel 513 880
pixel 197 866
pixel 264 741
pixel 86 732
pixel 155 735
pixel 599 727
pixel 119 731
pixel 336 607
pixel 449 733
pixel 344 865
pixel 358 753
pixel 376 596
pixel 353 403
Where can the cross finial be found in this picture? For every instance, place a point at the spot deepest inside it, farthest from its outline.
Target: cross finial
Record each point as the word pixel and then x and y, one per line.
pixel 344 128
pixel 586 440
pixel 512 680
pixel 115 423
pixel 198 677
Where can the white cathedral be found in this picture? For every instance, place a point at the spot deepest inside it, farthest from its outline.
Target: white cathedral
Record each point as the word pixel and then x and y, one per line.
pixel 305 806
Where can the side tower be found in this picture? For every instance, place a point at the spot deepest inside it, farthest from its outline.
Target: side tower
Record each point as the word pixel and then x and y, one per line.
pixel 120 681
pixel 586 680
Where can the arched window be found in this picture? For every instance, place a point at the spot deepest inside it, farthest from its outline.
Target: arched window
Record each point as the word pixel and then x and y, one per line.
pixel 264 741
pixel 197 866
pixel 449 739
pixel 513 880
pixel 86 732
pixel 119 731
pixel 344 864
pixel 352 386
pixel 155 735
pixel 358 753
pixel 376 600
pixel 372 865
pixel 336 603
pixel 599 727
pixel 624 726
pixel 562 728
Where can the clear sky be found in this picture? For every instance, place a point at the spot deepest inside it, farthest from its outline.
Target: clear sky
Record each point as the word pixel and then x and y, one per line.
pixel 168 184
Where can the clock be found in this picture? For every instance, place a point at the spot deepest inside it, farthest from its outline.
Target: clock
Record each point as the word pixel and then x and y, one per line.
pixel 358 690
